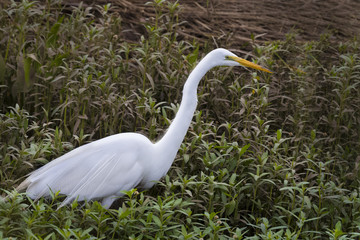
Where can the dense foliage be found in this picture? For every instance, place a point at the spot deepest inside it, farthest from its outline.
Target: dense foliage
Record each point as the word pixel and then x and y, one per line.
pixel 266 156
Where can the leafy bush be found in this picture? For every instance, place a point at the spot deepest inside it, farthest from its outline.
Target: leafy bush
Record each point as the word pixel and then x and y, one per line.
pixel 266 157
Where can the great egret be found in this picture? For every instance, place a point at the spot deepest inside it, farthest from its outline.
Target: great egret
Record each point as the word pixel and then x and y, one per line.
pixel 104 168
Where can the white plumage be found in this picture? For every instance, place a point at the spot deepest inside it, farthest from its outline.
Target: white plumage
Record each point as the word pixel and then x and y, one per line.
pixel 104 168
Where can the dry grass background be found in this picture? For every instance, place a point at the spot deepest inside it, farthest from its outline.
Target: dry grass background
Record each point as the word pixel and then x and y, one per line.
pixel 234 21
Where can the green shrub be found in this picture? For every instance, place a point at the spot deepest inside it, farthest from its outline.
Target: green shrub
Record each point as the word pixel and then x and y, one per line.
pixel 266 156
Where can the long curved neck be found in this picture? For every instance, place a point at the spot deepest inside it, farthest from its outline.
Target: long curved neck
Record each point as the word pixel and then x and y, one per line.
pixel 174 136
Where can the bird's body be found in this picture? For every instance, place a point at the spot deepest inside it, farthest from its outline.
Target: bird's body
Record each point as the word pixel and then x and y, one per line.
pixel 96 170
pixel 104 168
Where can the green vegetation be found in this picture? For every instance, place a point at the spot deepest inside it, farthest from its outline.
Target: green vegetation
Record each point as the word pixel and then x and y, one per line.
pixel 266 157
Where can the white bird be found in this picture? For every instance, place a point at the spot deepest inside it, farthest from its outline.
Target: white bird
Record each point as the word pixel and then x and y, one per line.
pixel 102 169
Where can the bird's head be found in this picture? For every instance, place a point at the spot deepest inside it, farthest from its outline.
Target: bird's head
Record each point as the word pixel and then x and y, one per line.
pixel 226 58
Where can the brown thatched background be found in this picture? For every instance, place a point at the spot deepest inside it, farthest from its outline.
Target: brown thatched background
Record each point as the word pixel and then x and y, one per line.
pixel 236 20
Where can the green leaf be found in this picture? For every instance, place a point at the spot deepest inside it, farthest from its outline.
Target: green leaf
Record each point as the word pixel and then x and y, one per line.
pixel 278 134
pixel 27 65
pixel 2 70
pixel 53 34
pixel 232 179
pixel 192 57
pixel 243 149
pixel 313 134
pixel 230 207
pixel 157 220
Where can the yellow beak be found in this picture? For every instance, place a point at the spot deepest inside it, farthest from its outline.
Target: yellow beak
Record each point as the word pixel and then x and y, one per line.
pixel 246 63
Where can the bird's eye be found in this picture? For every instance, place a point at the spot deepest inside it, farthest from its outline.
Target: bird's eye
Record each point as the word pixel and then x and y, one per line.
pixel 229 58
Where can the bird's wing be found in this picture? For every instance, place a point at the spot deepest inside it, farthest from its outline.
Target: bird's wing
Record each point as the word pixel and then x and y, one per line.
pixel 88 172
pixel 108 179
